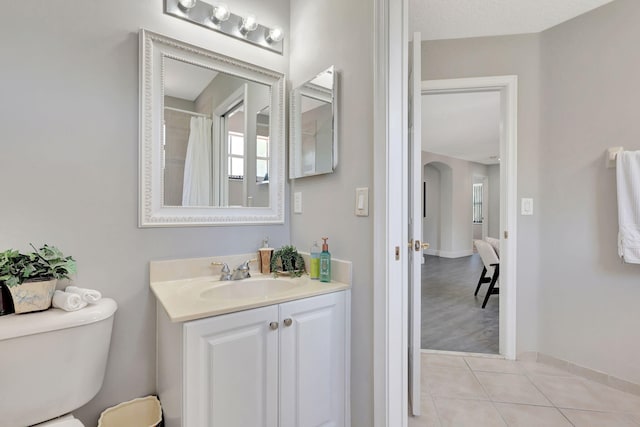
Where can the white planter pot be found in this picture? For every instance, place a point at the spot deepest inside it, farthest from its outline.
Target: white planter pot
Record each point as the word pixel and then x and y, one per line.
pixel 32 296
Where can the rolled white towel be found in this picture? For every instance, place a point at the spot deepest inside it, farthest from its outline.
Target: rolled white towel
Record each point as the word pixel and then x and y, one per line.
pixel 68 301
pixel 89 295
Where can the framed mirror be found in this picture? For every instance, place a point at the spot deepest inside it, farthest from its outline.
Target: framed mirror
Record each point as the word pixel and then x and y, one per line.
pixel 211 137
pixel 313 147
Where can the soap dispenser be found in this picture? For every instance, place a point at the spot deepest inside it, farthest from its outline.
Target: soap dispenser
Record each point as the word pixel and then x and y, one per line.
pixel 325 262
pixel 314 268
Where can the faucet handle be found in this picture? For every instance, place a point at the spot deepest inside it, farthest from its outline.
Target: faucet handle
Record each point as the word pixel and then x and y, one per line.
pixel 245 265
pixel 225 273
pixel 225 266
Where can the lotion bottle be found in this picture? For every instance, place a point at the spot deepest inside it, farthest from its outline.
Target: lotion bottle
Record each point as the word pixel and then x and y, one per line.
pixel 325 262
pixel 314 268
pixel 264 256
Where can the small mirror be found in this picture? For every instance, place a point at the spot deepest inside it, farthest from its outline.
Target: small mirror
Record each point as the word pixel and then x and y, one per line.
pixel 211 137
pixel 313 149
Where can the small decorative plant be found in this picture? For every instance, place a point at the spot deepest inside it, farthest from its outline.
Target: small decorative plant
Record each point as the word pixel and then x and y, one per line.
pixel 43 264
pixel 287 259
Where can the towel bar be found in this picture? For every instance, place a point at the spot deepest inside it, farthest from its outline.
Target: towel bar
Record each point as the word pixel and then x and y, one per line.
pixel 611 155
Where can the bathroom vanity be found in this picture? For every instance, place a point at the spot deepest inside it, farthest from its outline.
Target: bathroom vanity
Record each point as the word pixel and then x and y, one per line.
pixel 254 352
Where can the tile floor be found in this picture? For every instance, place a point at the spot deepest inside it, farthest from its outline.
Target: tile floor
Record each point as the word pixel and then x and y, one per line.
pixel 465 391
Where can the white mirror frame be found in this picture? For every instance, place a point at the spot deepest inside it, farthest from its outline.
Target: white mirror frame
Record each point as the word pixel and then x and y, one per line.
pixel 152 212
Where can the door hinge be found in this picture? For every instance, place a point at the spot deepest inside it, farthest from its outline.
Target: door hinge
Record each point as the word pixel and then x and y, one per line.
pixel 506 234
pixel 397 253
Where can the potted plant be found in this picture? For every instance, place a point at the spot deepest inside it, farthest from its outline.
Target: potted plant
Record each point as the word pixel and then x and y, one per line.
pixel 287 260
pixel 31 278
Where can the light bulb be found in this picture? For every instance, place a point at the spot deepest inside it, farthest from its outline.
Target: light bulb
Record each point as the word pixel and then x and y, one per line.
pixel 274 35
pixel 248 24
pixel 220 13
pixel 186 4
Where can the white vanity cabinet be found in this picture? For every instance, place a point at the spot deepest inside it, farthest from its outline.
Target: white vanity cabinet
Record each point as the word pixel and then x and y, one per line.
pixel 284 365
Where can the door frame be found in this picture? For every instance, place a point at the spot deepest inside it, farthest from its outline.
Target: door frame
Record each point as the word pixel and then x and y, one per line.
pixel 507 86
pixel 390 299
pixel 390 232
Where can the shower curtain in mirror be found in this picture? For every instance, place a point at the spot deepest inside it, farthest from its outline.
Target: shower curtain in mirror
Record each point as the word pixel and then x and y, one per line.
pixel 198 170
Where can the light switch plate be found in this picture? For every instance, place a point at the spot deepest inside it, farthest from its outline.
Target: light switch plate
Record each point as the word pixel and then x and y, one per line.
pixel 362 201
pixel 526 207
pixel 297 202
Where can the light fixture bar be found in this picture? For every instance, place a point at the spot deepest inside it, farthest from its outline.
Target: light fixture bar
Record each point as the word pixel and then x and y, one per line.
pixel 202 12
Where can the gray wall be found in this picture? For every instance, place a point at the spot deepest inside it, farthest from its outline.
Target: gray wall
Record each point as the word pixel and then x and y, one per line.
pixel 341 35
pixel 492 56
pixel 456 233
pixel 69 162
pixel 432 222
pixel 493 180
pixel 590 90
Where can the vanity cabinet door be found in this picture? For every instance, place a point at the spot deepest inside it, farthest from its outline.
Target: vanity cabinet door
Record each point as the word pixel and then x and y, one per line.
pixel 231 370
pixel 312 362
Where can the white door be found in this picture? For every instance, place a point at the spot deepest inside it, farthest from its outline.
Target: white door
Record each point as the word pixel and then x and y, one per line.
pixel 312 362
pixel 231 370
pixel 415 222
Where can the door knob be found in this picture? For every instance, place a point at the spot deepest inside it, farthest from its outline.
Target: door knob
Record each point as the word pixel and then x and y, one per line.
pixel 425 246
pixel 273 325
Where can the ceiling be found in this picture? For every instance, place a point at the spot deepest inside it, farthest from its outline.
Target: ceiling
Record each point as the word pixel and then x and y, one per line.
pixel 185 81
pixel 462 125
pixel 454 19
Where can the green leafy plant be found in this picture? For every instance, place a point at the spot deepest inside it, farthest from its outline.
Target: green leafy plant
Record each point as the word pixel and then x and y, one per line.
pixel 45 263
pixel 287 259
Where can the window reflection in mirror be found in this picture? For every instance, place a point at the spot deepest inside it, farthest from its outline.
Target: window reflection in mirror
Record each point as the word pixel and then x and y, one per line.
pixel 216 138
pixel 262 146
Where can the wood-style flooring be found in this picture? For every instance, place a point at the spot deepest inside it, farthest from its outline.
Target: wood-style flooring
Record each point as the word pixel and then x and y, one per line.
pixel 452 317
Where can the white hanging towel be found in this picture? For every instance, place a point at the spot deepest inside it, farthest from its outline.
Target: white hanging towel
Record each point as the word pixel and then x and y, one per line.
pixel 628 183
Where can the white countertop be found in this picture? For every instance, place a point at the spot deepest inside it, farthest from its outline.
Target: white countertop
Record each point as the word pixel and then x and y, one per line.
pixel 190 289
pixel 183 299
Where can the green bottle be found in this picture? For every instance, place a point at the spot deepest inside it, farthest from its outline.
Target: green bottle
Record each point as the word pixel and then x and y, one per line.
pixel 325 262
pixel 314 269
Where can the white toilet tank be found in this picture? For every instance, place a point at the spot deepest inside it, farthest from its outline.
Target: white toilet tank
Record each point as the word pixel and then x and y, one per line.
pixel 52 362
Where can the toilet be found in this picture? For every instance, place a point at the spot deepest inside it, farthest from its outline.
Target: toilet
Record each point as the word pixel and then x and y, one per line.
pixel 52 363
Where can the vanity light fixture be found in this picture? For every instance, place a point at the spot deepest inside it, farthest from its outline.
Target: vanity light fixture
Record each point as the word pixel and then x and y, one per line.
pixel 274 35
pixel 248 24
pixel 220 13
pixel 218 17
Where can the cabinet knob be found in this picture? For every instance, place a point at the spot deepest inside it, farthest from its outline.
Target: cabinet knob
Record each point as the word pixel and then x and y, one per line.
pixel 288 322
pixel 273 325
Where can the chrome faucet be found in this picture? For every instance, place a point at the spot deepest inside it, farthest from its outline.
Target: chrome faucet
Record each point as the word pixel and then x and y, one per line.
pixel 225 273
pixel 242 271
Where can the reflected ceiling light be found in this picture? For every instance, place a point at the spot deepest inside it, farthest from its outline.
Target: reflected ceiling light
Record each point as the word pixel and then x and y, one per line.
pixel 248 24
pixel 274 35
pixel 220 13
pixel 185 5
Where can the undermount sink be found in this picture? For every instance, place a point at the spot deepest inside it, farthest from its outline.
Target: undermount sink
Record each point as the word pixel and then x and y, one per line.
pixel 249 289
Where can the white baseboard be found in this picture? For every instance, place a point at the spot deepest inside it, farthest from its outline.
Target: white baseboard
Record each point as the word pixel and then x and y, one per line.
pixel 448 254
pixel 590 374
